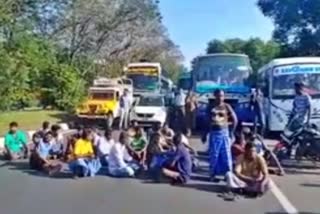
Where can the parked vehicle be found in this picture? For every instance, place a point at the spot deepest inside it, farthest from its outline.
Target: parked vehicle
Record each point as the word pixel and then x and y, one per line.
pixel 278 78
pixel 299 141
pixel 149 109
pixel 103 101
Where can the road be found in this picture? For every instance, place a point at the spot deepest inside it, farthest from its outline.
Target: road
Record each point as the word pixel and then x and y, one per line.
pixel 25 191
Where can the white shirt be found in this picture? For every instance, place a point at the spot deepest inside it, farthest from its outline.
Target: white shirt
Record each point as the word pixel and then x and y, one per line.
pixel 104 146
pixel 184 140
pixel 126 102
pixel 96 139
pixel 118 157
pixel 180 99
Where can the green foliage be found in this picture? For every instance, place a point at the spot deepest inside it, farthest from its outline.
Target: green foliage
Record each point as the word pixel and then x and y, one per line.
pixel 48 48
pixel 297 25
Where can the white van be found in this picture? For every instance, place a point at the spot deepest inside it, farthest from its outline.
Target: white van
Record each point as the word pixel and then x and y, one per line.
pixel 278 78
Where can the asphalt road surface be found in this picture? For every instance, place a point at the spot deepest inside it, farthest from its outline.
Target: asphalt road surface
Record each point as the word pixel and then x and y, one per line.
pixel 28 192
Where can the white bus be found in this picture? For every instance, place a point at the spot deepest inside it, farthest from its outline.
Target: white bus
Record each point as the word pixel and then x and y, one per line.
pixel 278 78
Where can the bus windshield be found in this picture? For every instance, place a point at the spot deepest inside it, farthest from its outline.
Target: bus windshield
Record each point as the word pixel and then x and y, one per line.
pixel 284 78
pixel 223 69
pixel 144 82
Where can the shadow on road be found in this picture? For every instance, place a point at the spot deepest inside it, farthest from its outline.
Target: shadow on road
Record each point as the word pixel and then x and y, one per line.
pixel 287 213
pixel 24 167
pixel 301 172
pixel 310 185
pixel 209 187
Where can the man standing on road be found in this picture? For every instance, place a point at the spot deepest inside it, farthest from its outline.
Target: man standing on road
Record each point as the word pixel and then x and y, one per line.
pixel 179 103
pixel 191 106
pixel 125 104
pixel 257 107
pixel 301 111
pixel 15 142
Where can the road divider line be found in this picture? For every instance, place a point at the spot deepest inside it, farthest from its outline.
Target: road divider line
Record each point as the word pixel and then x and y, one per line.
pixel 283 200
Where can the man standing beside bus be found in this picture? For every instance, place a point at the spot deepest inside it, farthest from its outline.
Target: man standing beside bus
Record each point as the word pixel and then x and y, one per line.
pixel 301 111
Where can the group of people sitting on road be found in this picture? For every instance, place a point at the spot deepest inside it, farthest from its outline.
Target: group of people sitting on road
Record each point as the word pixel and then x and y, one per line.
pixel 161 152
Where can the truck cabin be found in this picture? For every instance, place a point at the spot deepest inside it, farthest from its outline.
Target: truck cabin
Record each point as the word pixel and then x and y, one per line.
pixel 104 94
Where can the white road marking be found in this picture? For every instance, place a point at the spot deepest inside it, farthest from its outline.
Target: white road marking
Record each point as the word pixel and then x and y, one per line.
pixel 283 200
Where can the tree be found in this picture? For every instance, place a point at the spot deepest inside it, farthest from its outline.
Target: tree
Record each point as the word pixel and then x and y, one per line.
pixel 49 48
pixel 259 52
pixel 297 25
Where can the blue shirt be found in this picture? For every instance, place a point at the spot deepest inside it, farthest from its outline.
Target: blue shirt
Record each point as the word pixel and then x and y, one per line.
pixel 183 161
pixel 44 149
pixel 301 105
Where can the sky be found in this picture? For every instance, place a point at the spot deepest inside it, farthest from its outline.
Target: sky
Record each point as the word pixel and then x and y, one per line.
pixel 193 23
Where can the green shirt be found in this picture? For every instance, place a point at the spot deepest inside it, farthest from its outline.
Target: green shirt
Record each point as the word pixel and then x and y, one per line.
pixel 138 144
pixel 14 142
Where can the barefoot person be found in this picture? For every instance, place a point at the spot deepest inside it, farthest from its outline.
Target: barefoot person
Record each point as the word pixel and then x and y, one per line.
pixel 251 173
pixel 15 143
pixel 222 114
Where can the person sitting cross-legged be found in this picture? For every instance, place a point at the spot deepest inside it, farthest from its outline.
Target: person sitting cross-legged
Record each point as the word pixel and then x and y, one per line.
pixel 84 163
pixel 104 145
pixel 251 173
pixel 15 143
pixel 40 157
pixel 180 168
pixel 120 163
pixel 138 146
pixel 57 142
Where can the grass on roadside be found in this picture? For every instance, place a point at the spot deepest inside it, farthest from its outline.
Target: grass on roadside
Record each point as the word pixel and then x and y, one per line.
pixel 30 120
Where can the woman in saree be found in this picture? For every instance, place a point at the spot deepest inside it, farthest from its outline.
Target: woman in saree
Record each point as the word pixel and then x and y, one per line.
pixel 222 121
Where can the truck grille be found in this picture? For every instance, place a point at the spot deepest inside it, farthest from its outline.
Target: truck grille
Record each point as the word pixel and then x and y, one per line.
pixel 145 115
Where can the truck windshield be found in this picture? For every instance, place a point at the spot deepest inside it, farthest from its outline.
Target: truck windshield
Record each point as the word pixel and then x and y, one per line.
pixel 151 101
pixel 284 78
pixel 222 69
pixel 101 95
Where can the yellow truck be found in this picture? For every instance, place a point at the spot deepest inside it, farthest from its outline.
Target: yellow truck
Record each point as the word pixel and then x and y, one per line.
pixel 103 101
